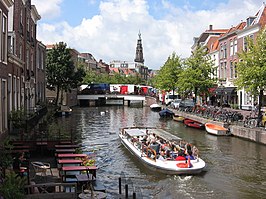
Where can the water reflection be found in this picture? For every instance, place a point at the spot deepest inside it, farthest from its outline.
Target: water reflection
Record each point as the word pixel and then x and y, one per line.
pixel 235 167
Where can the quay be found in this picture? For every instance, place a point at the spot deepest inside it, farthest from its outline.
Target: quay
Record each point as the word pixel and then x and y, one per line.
pixel 253 134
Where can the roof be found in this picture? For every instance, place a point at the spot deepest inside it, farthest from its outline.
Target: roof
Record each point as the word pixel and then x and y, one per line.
pixel 135 132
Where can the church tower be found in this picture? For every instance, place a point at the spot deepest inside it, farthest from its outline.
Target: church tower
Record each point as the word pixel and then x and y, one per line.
pixel 139 51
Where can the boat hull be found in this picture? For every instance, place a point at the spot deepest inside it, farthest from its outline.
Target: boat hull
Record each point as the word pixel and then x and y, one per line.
pixel 156 107
pixel 193 124
pixel 178 118
pixel 216 129
pixel 166 113
pixel 163 166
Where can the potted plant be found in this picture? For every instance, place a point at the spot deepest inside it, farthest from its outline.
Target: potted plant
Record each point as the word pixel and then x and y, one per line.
pixel 13 186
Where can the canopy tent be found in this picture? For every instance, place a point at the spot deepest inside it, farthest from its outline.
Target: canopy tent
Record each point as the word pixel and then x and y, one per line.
pixel 225 91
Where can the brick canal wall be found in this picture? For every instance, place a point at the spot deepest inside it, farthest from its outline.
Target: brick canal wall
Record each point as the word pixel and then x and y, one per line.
pixel 254 134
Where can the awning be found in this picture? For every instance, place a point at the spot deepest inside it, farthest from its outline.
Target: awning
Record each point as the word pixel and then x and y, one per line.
pixel 225 91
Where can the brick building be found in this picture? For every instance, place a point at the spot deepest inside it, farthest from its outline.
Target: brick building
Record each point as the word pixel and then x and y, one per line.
pixel 4 72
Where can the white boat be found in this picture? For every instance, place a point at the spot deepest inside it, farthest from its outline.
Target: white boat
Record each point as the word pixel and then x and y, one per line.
pixel 155 107
pixel 216 129
pixel 131 139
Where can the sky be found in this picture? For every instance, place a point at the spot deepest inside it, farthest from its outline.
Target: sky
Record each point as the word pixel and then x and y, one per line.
pixel 108 29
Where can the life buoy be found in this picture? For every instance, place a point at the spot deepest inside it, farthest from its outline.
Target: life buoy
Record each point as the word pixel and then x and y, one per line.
pixel 184 165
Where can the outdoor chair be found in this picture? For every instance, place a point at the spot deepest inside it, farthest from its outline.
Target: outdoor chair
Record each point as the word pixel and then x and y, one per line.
pixel 40 168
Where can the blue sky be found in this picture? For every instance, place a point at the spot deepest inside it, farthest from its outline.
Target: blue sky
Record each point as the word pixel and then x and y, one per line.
pixel 109 28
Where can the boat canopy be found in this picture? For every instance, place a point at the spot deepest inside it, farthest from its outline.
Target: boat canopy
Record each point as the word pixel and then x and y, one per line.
pixel 135 132
pixel 166 135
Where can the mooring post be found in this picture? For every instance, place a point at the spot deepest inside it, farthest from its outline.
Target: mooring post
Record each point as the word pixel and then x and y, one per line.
pixel 126 190
pixel 120 189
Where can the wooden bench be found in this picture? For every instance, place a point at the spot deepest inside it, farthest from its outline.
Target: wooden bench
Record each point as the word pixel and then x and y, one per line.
pixel 90 169
pixel 66 146
pixel 71 155
pixel 64 151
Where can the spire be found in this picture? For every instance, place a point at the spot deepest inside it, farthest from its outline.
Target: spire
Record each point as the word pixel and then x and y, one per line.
pixel 139 51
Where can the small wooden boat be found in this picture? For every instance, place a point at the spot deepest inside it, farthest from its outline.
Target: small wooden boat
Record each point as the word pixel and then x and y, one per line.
pixel 194 124
pixel 166 113
pixel 155 107
pixel 151 156
pixel 178 118
pixel 216 129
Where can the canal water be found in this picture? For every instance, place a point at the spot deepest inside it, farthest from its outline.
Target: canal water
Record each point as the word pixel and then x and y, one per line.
pixel 236 168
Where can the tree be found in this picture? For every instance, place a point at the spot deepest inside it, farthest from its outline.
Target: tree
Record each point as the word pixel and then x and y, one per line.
pixel 197 72
pixel 168 76
pixel 251 69
pixel 61 73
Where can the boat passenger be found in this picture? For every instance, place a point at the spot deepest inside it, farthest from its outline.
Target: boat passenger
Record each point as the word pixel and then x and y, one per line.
pixel 189 154
pixel 168 155
pixel 161 156
pixel 181 155
pixel 155 146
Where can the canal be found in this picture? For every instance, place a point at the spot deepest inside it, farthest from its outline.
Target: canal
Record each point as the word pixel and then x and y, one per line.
pixel 236 168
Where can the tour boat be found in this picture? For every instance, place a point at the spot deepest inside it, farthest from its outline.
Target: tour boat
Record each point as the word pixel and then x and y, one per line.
pixel 133 138
pixel 178 118
pixel 155 107
pixel 194 124
pixel 216 129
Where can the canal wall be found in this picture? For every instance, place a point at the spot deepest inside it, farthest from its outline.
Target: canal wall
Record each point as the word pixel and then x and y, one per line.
pixel 254 134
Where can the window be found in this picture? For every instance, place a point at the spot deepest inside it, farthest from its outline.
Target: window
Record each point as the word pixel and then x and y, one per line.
pixel 21 16
pixel 225 51
pixel 4 40
pixel 221 71
pixel 235 66
pixel 231 48
pixel 231 70
pixel 245 45
pixel 28 24
pixel 224 70
pixel 20 52
pixel 221 52
pixel 235 46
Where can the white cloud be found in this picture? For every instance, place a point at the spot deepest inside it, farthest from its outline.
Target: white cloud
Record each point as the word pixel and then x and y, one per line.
pixel 48 8
pixel 113 33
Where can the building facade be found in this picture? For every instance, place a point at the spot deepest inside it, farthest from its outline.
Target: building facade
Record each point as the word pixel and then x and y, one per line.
pixel 4 72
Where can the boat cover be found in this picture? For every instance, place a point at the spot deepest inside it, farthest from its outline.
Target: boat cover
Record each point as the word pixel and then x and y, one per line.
pixel 135 132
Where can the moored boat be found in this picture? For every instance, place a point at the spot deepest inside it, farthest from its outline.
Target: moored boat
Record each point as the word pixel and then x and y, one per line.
pixel 194 124
pixel 216 129
pixel 155 107
pixel 166 113
pixel 178 118
pixel 152 156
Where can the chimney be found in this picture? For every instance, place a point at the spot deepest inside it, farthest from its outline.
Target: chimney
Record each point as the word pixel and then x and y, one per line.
pixel 210 27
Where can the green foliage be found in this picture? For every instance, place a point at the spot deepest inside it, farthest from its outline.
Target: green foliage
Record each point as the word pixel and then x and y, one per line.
pixel 197 73
pixel 168 76
pixel 61 73
pixel 18 118
pixel 5 153
pixel 251 69
pixel 13 186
